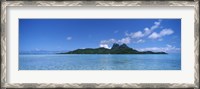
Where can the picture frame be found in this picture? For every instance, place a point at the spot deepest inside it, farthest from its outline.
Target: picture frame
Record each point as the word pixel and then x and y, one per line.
pixel 4 39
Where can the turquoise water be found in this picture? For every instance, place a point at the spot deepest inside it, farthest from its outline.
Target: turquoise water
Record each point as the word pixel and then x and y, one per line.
pixel 99 62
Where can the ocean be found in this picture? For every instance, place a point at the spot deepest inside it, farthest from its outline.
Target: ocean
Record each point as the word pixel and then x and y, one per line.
pixel 100 61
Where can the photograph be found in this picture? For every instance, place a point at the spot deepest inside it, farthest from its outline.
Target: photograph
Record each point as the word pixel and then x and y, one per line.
pixel 100 44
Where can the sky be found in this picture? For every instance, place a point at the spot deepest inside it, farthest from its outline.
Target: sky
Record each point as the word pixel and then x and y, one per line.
pixel 70 34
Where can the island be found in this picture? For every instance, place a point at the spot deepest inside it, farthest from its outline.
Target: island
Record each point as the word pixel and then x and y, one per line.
pixel 116 49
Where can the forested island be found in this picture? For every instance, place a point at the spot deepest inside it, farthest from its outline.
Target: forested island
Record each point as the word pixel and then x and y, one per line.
pixel 116 49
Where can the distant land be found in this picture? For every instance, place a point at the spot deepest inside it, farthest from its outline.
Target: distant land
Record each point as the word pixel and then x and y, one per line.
pixel 116 49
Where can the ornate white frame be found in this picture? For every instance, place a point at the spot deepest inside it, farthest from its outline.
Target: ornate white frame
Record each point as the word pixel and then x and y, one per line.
pixel 6 4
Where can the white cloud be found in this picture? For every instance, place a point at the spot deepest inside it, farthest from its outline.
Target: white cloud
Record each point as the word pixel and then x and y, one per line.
pixel 140 41
pixel 167 48
pixel 110 41
pixel 126 40
pixel 106 43
pixel 154 35
pixel 147 31
pixel 166 32
pixel 137 34
pixel 156 25
pixel 128 36
pixel 162 33
pixel 104 46
pixel 69 38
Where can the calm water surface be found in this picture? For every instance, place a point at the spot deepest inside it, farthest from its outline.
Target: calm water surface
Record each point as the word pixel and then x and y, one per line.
pixel 99 62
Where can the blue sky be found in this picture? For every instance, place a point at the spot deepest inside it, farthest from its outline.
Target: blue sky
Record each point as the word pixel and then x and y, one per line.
pixel 70 34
